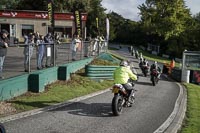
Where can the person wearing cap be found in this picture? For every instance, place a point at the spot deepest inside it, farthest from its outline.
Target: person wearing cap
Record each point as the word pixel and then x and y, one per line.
pixel 3 49
pixel 28 50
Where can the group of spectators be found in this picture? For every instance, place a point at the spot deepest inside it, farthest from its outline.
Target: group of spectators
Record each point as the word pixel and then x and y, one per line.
pixel 44 49
pixel 91 45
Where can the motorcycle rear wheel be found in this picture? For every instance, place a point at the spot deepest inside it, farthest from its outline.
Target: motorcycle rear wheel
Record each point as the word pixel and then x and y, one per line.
pixel 117 105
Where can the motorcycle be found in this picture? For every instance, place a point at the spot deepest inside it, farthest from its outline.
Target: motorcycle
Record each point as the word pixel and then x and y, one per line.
pixel 145 70
pixel 136 55
pixel 121 99
pixel 154 77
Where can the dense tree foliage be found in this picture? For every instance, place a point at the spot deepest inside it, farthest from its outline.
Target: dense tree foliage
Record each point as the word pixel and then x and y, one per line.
pixel 9 4
pixel 96 22
pixel 167 22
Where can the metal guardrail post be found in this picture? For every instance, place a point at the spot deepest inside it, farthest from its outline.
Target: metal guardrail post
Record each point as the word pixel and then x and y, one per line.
pixel 54 54
pixel 29 60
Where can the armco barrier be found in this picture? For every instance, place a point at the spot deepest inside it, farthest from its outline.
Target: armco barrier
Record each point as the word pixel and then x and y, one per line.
pixel 64 71
pixel 13 87
pixel 176 74
pixel 39 79
pixel 99 72
pixel 36 81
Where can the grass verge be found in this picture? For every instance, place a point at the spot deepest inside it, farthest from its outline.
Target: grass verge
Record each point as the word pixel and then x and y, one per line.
pixel 58 92
pixel 192 120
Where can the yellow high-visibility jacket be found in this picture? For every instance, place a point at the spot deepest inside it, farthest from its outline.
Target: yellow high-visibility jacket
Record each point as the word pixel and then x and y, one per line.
pixel 122 74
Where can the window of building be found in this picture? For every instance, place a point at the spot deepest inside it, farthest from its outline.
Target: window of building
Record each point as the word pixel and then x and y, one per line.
pixel 63 31
pixel 26 29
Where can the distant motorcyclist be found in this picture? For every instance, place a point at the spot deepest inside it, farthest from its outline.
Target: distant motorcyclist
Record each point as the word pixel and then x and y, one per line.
pixel 122 74
pixel 136 54
pixel 145 62
pixel 141 56
pixel 156 67
pixel 140 63
pixel 144 66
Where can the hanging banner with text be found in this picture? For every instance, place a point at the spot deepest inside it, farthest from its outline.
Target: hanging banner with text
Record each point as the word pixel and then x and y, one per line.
pixel 78 22
pixel 51 13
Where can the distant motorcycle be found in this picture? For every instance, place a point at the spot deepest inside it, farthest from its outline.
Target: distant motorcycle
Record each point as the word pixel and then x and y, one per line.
pixel 154 77
pixel 136 55
pixel 120 99
pixel 145 70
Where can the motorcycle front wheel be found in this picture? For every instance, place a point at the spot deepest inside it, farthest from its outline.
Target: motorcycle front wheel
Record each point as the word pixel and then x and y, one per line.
pixel 153 80
pixel 117 105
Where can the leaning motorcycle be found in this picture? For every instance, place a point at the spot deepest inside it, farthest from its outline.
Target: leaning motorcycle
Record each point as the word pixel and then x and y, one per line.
pixel 154 77
pixel 120 99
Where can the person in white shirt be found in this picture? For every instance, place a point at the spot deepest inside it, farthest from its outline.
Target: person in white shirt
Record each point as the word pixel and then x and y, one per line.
pixel 76 42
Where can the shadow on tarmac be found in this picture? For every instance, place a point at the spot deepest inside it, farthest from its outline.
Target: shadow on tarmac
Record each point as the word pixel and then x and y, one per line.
pixel 89 110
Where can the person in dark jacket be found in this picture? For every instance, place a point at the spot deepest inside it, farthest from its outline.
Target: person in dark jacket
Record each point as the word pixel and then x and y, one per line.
pixel 3 49
pixel 28 50
pixel 48 39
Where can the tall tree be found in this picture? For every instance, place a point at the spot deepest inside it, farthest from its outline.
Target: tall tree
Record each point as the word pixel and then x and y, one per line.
pixel 9 4
pixel 163 17
pixel 167 19
pixel 96 18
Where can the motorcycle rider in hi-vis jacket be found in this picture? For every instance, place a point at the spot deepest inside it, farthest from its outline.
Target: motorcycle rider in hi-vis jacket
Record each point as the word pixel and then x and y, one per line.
pixel 122 74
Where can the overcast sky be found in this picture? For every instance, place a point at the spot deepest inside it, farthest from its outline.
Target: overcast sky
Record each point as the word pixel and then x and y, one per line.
pixel 128 8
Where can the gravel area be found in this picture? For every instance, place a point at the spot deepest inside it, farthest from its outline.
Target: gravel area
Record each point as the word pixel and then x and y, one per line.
pixel 6 108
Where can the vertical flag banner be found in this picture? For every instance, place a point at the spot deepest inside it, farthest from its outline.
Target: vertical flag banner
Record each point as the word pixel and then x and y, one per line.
pixel 51 13
pixel 78 22
pixel 107 29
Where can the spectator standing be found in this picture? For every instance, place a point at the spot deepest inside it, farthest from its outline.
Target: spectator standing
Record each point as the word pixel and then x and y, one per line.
pixel 101 43
pixel 29 41
pixel 3 49
pixel 95 45
pixel 48 39
pixel 37 36
pixel 40 52
pixel 87 45
pixel 74 46
pixel 57 39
